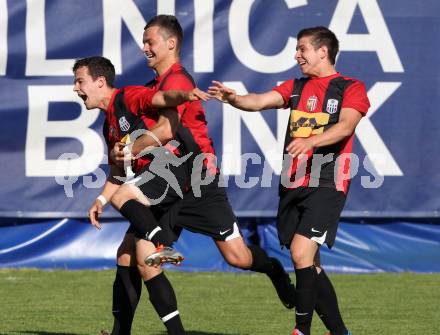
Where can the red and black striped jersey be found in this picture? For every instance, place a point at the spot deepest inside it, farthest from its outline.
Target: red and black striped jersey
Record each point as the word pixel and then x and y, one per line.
pixel 129 109
pixel 315 105
pixel 193 129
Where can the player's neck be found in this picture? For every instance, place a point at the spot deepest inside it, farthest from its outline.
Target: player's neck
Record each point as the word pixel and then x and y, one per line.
pixel 324 71
pixel 105 101
pixel 165 65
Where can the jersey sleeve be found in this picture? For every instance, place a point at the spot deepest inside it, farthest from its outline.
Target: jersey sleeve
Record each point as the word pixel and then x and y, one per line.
pixel 355 96
pixel 285 89
pixel 179 81
pixel 138 98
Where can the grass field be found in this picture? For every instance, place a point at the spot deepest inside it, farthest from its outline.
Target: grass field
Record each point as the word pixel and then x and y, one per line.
pixel 79 302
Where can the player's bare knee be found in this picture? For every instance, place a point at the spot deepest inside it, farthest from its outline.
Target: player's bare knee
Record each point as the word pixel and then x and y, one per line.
pixel 124 259
pixel 122 195
pixel 126 252
pixel 241 261
pixel 299 257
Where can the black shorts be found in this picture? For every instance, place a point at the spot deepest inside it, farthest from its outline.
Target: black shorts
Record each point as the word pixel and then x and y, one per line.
pixel 209 214
pixel 312 212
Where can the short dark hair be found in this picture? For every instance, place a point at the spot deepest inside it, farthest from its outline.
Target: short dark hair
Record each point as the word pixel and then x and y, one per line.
pixel 322 36
pixel 98 67
pixel 169 25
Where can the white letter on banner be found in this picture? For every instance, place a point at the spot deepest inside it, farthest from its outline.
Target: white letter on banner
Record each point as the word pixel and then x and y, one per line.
pixel 114 13
pixel 370 139
pixel 203 36
pixel 3 36
pixel 39 128
pixel 36 62
pixel 378 39
pixel 271 147
pixel 166 7
pixel 243 49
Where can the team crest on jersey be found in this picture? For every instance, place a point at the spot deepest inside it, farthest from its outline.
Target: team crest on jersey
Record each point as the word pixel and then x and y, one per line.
pixel 311 103
pixel 332 106
pixel 124 125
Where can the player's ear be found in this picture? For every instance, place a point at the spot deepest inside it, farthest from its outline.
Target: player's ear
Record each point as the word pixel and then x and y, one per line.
pixel 172 42
pixel 323 52
pixel 101 81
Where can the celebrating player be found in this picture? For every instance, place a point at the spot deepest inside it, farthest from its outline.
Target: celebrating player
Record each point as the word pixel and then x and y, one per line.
pixel 325 108
pixel 130 109
pixel 205 208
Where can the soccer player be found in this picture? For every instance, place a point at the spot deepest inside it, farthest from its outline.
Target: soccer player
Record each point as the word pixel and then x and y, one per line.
pixel 205 208
pixel 129 109
pixel 325 108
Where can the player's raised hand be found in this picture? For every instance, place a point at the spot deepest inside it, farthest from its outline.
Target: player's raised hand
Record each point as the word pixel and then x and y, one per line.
pixel 221 92
pixel 94 213
pixel 197 94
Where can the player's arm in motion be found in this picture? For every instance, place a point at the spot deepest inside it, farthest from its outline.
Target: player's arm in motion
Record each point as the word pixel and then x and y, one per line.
pixel 348 120
pixel 165 128
pixel 251 102
pixel 110 187
pixel 172 98
pixel 162 132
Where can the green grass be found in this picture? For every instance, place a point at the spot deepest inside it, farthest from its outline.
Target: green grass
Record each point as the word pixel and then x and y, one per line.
pixel 79 302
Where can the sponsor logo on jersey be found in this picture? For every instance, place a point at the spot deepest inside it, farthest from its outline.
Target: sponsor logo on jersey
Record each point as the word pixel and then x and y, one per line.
pixel 123 124
pixel 304 124
pixel 332 106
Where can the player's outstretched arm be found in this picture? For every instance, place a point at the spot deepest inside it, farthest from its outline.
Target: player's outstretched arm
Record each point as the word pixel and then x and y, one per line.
pixel 172 98
pixel 251 102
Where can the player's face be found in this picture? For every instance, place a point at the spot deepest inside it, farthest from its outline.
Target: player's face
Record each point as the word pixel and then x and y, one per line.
pixel 157 48
pixel 87 88
pixel 309 59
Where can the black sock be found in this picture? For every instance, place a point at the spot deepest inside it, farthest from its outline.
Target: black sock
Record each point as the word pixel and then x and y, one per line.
pixel 260 261
pixel 327 306
pixel 146 225
pixel 164 301
pixel 127 289
pixel 306 294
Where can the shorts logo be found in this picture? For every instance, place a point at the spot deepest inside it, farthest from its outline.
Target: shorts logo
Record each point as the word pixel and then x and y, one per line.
pixel 311 103
pixel 124 124
pixel 224 232
pixel 320 239
pixel 332 106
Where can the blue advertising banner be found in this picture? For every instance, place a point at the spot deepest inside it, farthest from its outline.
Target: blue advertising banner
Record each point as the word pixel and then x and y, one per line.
pixel 53 156
pixel 359 248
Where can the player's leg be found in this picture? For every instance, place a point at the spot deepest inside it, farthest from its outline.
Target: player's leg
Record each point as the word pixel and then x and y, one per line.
pixel 134 205
pixel 303 251
pixel 212 215
pixel 254 258
pixel 161 293
pixel 327 305
pixel 320 211
pixel 127 287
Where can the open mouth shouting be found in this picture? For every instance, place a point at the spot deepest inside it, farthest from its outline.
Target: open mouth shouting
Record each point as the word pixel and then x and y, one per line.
pixel 82 96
